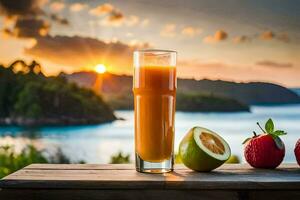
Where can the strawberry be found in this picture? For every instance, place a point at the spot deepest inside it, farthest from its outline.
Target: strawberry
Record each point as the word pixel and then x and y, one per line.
pixel 297 151
pixel 265 150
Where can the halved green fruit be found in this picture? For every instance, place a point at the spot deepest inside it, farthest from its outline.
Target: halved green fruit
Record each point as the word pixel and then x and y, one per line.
pixel 203 150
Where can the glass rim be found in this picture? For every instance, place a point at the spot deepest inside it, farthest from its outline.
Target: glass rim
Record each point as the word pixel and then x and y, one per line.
pixel 159 51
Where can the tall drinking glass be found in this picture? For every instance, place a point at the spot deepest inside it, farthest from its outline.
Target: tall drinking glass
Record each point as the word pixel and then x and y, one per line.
pixel 154 88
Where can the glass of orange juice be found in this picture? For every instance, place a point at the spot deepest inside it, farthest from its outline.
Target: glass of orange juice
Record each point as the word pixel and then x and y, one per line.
pixel 154 88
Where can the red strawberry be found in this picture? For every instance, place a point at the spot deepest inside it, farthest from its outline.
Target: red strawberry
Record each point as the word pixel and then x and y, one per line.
pixel 297 151
pixel 266 150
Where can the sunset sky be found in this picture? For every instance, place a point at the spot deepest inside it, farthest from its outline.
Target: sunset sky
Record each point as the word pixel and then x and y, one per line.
pixel 230 40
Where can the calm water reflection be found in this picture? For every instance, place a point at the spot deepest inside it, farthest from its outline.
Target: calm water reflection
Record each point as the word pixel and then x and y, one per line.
pixel 95 143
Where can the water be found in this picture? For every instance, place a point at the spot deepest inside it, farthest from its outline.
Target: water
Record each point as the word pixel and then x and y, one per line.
pixel 96 143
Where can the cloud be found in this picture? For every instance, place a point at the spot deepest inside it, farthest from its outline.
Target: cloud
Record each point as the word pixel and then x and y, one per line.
pixel 169 30
pixel 28 28
pixel 12 8
pixel 241 39
pixel 267 35
pixel 284 37
pixel 132 20
pixel 80 52
pixel 219 36
pixel 268 63
pixel 112 16
pixel 77 7
pixel 190 31
pixel 27 19
pixel 270 35
pixel 145 23
pixel 58 19
pixel 57 6
pixel 199 69
pixel 115 18
pixel 102 9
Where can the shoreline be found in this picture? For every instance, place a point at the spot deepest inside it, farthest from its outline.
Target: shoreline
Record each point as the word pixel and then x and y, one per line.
pixel 63 121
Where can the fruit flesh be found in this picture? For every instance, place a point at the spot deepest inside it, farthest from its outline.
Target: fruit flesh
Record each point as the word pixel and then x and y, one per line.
pixel 194 156
pixel 212 143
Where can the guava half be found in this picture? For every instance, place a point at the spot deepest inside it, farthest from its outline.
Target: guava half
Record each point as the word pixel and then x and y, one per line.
pixel 203 150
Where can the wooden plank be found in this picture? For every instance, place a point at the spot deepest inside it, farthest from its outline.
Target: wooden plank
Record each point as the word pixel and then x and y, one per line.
pixel 82 166
pixel 116 195
pixel 42 194
pixel 131 166
pixel 230 177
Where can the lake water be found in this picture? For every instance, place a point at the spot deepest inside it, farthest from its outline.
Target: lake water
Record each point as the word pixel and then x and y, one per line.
pixel 96 143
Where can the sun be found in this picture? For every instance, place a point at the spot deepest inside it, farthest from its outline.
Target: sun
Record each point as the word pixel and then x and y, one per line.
pixel 100 68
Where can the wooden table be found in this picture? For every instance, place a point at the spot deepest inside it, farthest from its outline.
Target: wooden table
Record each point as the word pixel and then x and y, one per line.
pixel 88 181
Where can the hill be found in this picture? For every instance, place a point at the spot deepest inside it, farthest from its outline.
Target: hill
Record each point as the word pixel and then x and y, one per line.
pixel 296 90
pixel 27 97
pixel 118 90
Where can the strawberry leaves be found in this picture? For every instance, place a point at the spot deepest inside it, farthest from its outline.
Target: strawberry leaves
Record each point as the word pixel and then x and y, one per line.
pixel 269 129
pixel 269 126
pixel 279 133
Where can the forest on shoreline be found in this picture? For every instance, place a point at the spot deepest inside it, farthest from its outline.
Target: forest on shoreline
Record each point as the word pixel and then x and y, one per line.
pixel 29 98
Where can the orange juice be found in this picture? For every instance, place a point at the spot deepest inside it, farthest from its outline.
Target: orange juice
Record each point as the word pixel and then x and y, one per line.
pixel 154 104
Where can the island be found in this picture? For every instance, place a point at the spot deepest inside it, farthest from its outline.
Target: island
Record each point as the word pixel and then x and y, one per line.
pixel 192 95
pixel 29 98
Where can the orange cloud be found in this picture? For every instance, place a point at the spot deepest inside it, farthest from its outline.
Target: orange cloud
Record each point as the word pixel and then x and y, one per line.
pixel 219 36
pixel 169 30
pixel 190 31
pixel 270 35
pixel 77 7
pixel 267 35
pixel 57 6
pixel 115 18
pixel 102 9
pixel 80 52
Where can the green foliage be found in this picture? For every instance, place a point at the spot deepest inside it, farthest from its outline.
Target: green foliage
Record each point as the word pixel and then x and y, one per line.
pixel 269 126
pixel 10 161
pixel 120 158
pixel 25 93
